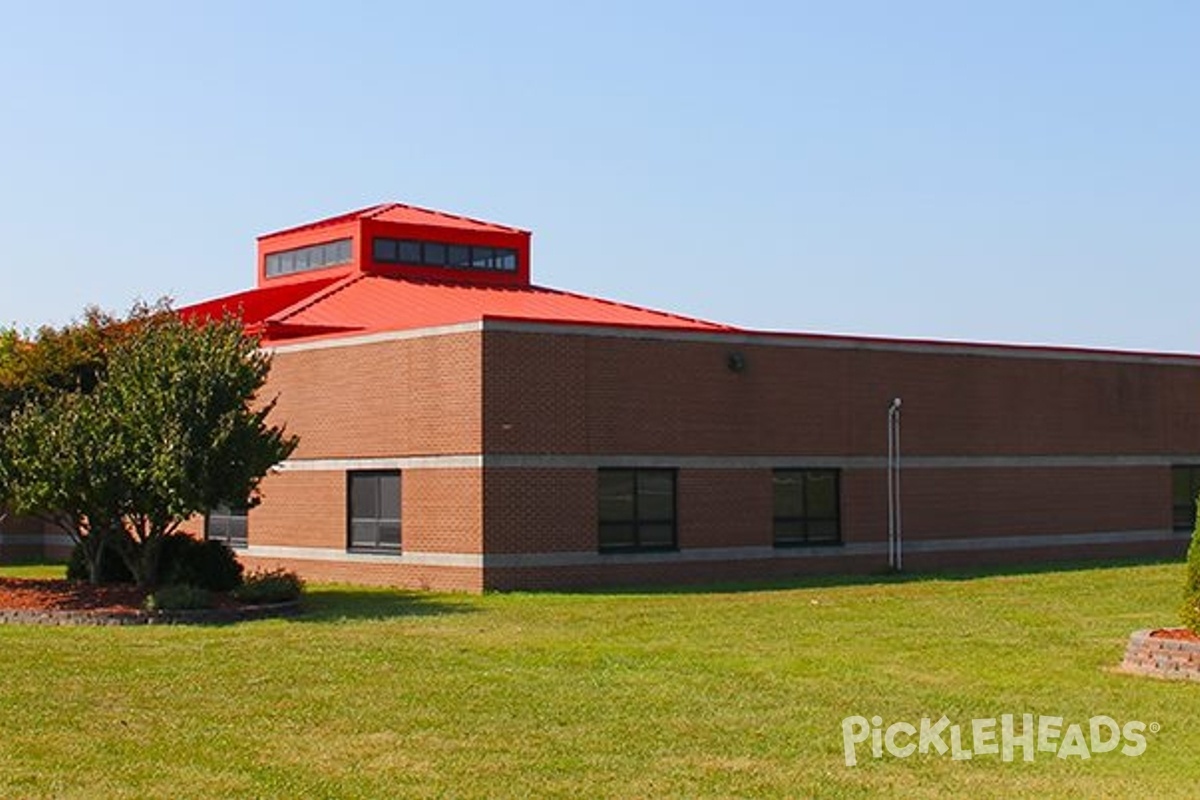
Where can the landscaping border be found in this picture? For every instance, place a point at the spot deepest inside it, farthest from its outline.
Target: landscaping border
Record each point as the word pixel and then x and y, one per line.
pixel 206 616
pixel 1162 656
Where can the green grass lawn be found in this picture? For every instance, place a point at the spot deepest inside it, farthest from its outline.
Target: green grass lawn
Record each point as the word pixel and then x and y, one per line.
pixel 733 692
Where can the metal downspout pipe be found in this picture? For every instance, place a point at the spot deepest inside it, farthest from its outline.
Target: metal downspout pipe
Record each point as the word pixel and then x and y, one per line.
pixel 895 521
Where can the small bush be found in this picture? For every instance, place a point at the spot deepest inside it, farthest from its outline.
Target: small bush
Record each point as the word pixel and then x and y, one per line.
pixel 1190 612
pixel 269 586
pixel 179 597
pixel 112 568
pixel 205 563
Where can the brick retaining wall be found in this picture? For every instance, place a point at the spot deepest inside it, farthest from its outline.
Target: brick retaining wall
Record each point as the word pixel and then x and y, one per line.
pixel 1162 657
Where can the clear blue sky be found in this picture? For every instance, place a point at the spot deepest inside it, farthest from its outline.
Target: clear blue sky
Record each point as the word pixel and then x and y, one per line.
pixel 1005 171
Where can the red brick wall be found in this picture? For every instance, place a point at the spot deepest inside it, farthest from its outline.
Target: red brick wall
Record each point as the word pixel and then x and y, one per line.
pixel 300 509
pixel 443 510
pixel 403 397
pixel 720 508
pixel 414 576
pixel 540 510
pixel 941 503
pixel 600 398
pixel 627 574
pixel 31 539
pixel 554 393
pixel 549 510
pixel 440 510
pixel 604 398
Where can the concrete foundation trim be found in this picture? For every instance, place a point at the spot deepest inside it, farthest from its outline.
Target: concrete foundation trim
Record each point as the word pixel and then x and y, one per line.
pixel 709 554
pixel 348 557
pixel 590 558
pixel 403 462
pixel 375 338
pixel 833 462
pixel 742 337
pixel 1057 540
pixel 570 461
pixel 849 550
pixel 36 540
pixel 732 337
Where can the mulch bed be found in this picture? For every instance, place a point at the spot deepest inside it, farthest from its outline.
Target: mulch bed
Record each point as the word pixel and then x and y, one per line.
pixel 1182 634
pixel 63 602
pixel 34 594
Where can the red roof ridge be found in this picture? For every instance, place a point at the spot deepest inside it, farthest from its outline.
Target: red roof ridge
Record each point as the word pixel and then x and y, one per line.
pixel 321 223
pixel 383 208
pixel 457 282
pixel 250 302
pixel 633 307
pixel 314 298
pixel 533 287
pixel 379 209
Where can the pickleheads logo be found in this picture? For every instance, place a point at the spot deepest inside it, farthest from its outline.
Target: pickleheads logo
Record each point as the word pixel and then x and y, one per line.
pixel 989 737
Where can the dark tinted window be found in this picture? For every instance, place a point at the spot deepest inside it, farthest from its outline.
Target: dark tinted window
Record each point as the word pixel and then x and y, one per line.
pixel 442 254
pixel 435 254
pixel 302 259
pixel 636 509
pixel 227 524
pixel 409 252
pixel 483 257
pixel 374 518
pixel 385 249
pixel 1185 484
pixel 806 506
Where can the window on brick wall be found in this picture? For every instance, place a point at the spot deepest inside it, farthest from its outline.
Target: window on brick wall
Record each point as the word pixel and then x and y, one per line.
pixel 637 509
pixel 1185 484
pixel 806 507
pixel 374 510
pixel 227 524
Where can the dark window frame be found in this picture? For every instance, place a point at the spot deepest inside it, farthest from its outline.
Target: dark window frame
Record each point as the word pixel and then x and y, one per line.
pixel 376 519
pixel 333 253
pixel 638 521
pixel 471 258
pixel 1183 510
pixel 229 524
pixel 806 521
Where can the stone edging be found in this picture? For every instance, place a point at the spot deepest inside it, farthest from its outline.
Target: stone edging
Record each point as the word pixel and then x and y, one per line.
pixel 1175 659
pixel 207 616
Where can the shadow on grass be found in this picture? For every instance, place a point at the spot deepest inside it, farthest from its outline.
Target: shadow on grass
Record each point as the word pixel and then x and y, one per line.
pixel 352 603
pixel 878 578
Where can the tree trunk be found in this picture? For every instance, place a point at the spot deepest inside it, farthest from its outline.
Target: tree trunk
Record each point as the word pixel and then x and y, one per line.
pixel 93 554
pixel 146 573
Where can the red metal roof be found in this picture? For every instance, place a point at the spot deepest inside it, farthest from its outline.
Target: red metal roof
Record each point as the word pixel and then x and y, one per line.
pixel 256 305
pixel 358 304
pixel 375 303
pixel 403 213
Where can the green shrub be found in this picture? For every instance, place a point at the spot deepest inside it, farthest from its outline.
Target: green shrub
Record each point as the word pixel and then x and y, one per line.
pixel 179 597
pixel 112 568
pixel 206 563
pixel 1190 612
pixel 269 586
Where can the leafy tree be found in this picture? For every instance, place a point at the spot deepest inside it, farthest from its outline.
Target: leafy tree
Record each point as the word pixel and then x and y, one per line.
pixel 1190 612
pixel 124 430
pixel 55 464
pixel 52 443
pixel 57 360
pixel 187 425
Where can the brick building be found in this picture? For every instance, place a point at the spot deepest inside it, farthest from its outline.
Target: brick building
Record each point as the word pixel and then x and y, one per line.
pixel 462 428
